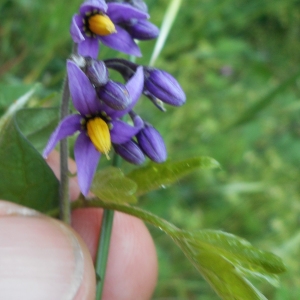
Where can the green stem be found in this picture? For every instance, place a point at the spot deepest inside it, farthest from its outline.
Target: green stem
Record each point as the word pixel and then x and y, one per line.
pixel 64 197
pixel 146 216
pixel 103 250
pixel 65 212
pixel 104 242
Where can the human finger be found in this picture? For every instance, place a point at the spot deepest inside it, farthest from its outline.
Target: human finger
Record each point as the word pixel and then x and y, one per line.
pixel 42 258
pixel 132 261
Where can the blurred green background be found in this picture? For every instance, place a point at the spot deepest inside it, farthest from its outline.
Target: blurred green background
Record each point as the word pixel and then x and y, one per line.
pixel 235 59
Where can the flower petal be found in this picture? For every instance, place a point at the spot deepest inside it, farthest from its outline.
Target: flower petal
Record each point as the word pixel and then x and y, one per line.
pixel 90 5
pixel 123 132
pixel 120 13
pixel 121 41
pixel 87 158
pixel 75 29
pixel 83 93
pixel 143 30
pixel 66 127
pixel 135 87
pixel 89 47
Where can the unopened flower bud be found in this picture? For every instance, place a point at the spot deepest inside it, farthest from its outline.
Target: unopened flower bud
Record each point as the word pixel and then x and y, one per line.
pixel 143 30
pixel 96 71
pixel 131 152
pixel 163 86
pixel 152 144
pixel 115 95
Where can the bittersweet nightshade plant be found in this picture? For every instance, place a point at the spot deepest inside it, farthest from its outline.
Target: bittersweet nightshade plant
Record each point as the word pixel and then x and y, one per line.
pixel 98 21
pixel 99 125
pixel 104 120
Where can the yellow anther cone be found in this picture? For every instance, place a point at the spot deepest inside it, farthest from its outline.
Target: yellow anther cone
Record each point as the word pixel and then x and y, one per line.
pixel 101 25
pixel 98 132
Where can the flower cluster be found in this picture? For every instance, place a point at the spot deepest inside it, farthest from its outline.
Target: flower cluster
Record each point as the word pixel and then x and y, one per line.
pixel 100 102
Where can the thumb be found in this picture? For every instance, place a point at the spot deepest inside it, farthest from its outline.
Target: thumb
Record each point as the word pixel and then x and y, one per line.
pixel 42 258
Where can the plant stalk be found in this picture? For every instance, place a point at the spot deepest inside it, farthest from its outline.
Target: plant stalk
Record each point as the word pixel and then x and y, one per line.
pixel 103 250
pixel 64 196
pixel 65 211
pixel 104 241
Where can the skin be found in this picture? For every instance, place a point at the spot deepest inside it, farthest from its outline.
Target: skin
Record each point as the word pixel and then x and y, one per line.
pixel 43 258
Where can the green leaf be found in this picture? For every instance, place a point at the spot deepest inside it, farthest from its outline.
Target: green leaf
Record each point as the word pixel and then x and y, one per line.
pixel 10 93
pixel 37 124
pixel 25 177
pixel 155 176
pixel 111 185
pixel 223 259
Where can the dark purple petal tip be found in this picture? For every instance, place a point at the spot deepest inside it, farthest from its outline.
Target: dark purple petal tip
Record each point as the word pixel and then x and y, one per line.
pixel 120 13
pixel 143 30
pixel 164 86
pixel 115 95
pixel 131 152
pixel 139 4
pixel 152 144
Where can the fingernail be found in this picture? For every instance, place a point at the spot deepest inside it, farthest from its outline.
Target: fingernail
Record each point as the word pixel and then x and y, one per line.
pixel 9 209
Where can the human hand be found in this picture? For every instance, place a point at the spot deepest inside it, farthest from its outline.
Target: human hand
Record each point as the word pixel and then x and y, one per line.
pixel 42 258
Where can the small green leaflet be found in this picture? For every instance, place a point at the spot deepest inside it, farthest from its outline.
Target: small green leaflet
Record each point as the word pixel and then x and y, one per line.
pixel 223 259
pixel 154 176
pixel 111 185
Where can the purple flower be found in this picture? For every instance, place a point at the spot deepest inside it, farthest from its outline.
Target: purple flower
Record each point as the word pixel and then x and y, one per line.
pixel 100 21
pixel 99 126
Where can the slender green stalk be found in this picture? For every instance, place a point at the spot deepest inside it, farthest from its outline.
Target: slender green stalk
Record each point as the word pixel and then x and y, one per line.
pixel 103 250
pixel 104 241
pixel 64 197
pixel 146 216
pixel 65 211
